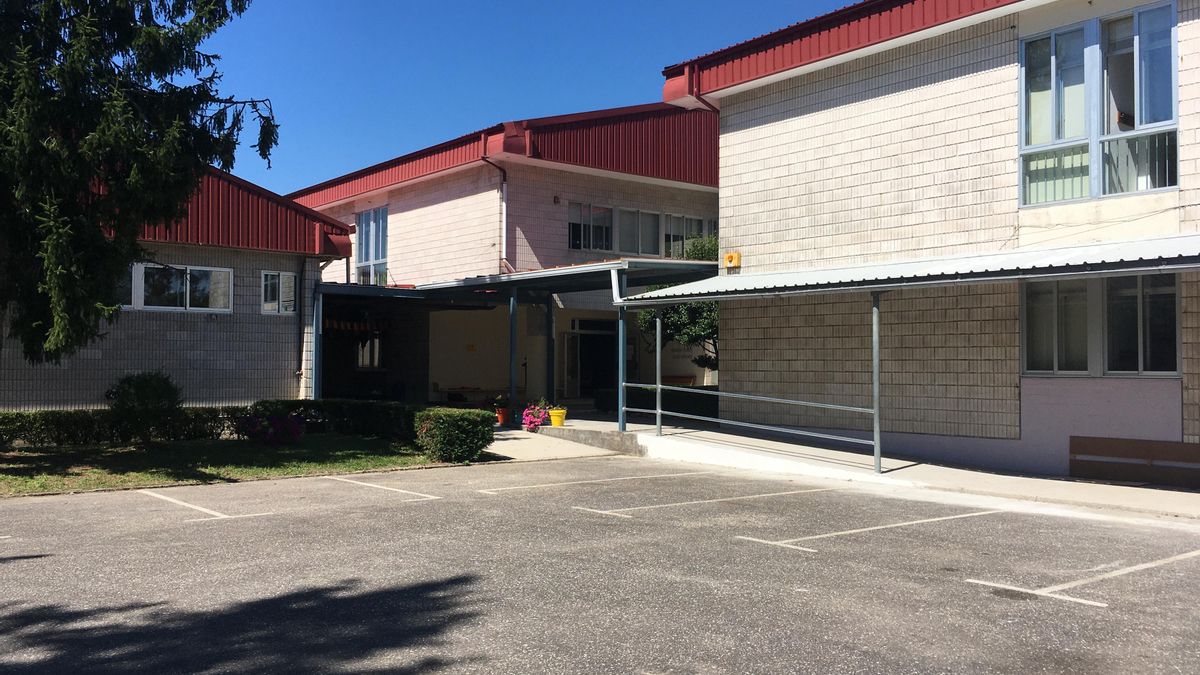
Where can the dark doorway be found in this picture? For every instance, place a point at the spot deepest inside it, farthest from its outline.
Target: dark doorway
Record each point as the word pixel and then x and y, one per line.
pixel 597 362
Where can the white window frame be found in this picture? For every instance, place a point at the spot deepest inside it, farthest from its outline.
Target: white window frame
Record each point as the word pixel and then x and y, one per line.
pixel 262 294
pixel 1097 332
pixel 612 226
pixel 639 212
pixel 706 230
pixel 365 250
pixel 138 292
pixel 1095 104
pixel 375 342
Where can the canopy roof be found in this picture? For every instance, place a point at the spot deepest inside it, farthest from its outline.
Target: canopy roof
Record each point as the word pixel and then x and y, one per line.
pixel 1148 255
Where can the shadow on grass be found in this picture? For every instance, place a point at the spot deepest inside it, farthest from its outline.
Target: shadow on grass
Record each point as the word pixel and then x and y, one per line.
pixel 319 629
pixel 193 461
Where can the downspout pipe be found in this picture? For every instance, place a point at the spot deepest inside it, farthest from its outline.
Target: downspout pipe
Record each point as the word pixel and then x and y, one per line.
pixel 504 263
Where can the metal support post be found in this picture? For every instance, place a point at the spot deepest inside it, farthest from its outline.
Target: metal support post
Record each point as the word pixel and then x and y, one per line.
pixel 512 351
pixel 621 368
pixel 550 381
pixel 658 373
pixel 318 311
pixel 875 379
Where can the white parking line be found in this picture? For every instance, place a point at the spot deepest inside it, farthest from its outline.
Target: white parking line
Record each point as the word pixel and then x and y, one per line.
pixel 621 512
pixel 788 543
pixel 7 536
pixel 1053 591
pixel 421 497
pixel 493 491
pixel 216 515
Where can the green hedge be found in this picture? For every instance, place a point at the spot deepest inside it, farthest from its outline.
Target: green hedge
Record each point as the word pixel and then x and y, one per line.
pixel 454 434
pixel 383 419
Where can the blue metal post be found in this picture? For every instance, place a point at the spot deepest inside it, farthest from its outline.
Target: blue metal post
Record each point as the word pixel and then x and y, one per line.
pixel 512 352
pixel 621 368
pixel 318 309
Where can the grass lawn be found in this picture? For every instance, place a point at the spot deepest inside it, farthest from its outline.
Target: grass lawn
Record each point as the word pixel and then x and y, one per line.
pixel 73 469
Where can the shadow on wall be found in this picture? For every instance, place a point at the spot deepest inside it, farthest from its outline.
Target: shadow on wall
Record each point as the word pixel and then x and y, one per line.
pixel 319 629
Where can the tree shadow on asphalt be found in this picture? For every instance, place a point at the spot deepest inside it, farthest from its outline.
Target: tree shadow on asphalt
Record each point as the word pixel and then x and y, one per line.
pixel 319 629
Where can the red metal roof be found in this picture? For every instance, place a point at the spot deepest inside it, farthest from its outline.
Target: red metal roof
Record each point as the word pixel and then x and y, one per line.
pixel 654 140
pixel 857 26
pixel 235 213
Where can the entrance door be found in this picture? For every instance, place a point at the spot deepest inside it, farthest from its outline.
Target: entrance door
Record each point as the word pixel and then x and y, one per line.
pixel 597 362
pixel 571 365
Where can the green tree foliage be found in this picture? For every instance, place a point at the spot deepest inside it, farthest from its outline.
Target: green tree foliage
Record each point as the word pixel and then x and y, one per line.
pixel 109 116
pixel 695 323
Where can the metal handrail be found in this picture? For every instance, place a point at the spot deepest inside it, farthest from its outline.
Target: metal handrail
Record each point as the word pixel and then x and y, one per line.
pixel 751 425
pixel 753 397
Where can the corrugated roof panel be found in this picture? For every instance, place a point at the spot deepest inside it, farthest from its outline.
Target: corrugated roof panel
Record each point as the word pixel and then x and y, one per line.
pixel 230 212
pixel 1084 259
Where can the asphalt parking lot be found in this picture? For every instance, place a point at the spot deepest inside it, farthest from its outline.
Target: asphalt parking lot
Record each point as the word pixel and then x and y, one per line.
pixel 612 564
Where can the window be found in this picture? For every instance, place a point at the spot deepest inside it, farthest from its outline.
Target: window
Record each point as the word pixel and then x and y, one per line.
pixel 278 293
pixel 1124 325
pixel 369 353
pixel 1141 324
pixel 589 227
pixel 679 230
pixel 639 232
pixel 1101 94
pixel 168 288
pixel 371 254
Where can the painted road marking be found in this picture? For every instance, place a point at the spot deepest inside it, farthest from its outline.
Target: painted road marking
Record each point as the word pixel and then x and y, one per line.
pixel 621 512
pixel 7 536
pixel 216 515
pixel 493 491
pixel 421 496
pixel 1053 591
pixel 787 542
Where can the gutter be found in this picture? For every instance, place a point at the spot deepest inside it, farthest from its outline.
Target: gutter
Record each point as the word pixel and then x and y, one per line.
pixel 505 265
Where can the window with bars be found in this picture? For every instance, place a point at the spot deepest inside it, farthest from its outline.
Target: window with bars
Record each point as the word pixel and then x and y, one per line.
pixel 1099 108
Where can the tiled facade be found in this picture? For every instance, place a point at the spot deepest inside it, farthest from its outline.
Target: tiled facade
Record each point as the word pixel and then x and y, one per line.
pixel 215 358
pixel 949 360
pixel 442 228
pixel 914 153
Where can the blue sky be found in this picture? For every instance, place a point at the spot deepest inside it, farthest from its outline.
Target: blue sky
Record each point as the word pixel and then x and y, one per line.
pixel 356 82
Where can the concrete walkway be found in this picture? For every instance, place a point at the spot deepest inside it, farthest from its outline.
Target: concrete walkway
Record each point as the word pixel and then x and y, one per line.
pixel 523 446
pixel 782 457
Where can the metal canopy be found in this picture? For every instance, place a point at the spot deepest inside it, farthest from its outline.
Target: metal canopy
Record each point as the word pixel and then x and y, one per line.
pixel 1150 255
pixel 575 278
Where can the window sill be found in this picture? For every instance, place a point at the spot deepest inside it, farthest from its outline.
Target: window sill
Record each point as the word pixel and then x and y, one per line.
pixel 1105 376
pixel 1101 198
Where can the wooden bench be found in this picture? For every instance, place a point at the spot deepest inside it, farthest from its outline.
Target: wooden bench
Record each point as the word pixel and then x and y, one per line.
pixel 1136 461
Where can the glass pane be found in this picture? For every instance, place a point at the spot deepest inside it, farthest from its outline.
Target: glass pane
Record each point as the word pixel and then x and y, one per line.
pixel 1141 163
pixel 364 237
pixel 1118 75
pixel 381 274
pixel 1072 326
pixel 601 228
pixel 1056 175
pixel 674 237
pixel 208 289
pixel 1160 341
pixel 364 275
pixel 650 234
pixel 270 293
pixel 123 290
pixel 381 228
pixel 287 293
pixel 574 212
pixel 574 235
pixel 164 287
pixel 1038 104
pixel 1071 122
pixel 628 231
pixel 1121 330
pixel 1155 68
pixel 1039 326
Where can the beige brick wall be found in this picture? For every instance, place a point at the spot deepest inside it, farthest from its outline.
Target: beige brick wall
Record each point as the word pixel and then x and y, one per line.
pixel 215 358
pixel 1188 32
pixel 905 153
pixel 447 227
pixel 1190 318
pixel 949 360
pixel 538 226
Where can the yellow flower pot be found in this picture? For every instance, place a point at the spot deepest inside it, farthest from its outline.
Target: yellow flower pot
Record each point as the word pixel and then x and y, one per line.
pixel 557 417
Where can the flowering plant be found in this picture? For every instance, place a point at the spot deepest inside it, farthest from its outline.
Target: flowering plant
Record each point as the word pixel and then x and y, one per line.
pixel 535 415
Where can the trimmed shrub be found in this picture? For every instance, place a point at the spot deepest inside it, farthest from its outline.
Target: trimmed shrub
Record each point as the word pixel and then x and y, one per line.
pixel 145 406
pixel 454 434
pixel 270 429
pixel 384 419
